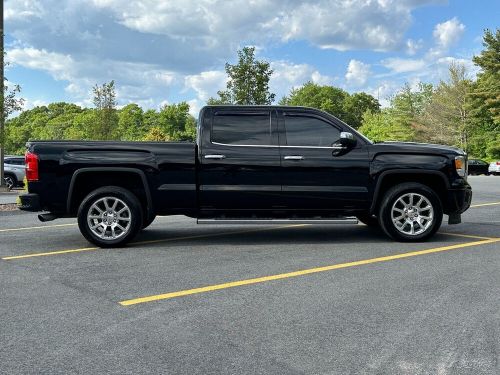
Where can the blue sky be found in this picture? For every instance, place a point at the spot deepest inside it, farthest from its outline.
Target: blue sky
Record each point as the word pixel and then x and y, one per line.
pixel 162 52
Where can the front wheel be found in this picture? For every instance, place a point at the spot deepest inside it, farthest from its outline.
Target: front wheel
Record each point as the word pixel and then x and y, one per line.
pixel 410 212
pixel 110 216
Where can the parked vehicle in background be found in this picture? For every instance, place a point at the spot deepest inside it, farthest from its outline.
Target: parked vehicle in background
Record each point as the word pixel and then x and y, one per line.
pixel 250 164
pixel 14 171
pixel 494 168
pixel 477 167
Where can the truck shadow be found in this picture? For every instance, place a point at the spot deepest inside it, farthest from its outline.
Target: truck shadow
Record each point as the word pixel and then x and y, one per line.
pixel 248 236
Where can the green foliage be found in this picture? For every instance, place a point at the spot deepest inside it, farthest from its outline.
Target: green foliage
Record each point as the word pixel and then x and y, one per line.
pixel 486 93
pixel 64 121
pixel 334 100
pixel 106 124
pixel 385 126
pixel 447 117
pixel 248 82
pixel 130 122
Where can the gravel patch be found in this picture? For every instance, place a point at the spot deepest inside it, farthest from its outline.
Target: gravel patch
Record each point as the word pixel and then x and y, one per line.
pixel 8 207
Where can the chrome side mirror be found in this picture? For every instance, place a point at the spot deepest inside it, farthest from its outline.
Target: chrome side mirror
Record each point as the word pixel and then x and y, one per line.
pixel 347 139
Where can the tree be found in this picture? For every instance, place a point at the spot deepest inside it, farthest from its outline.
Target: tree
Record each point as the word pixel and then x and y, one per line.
pixel 248 81
pixel 9 102
pixel 334 100
pixel 156 134
pixel 356 105
pixel 105 104
pixel 130 122
pixel 176 122
pixel 385 126
pixel 487 89
pixel 447 116
pixel 326 98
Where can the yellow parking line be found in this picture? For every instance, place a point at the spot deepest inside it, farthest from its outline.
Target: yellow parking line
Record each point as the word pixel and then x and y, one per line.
pixel 32 255
pixel 257 280
pixel 466 236
pixel 40 227
pixel 485 204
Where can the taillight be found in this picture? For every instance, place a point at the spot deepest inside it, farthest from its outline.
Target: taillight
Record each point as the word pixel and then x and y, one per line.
pixel 498 162
pixel 31 161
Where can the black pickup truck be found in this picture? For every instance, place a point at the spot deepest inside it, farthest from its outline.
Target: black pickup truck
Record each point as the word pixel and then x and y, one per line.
pixel 250 164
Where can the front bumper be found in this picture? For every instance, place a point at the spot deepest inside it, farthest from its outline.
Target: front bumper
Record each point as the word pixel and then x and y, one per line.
pixel 29 202
pixel 458 200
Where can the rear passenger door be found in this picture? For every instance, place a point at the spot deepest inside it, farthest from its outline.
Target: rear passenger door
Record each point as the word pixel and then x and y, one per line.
pixel 316 177
pixel 240 161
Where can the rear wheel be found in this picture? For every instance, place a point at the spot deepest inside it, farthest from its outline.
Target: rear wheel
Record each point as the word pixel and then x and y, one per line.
pixel 410 212
pixel 110 216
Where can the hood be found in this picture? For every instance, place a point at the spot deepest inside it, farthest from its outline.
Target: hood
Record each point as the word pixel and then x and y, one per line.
pixel 415 147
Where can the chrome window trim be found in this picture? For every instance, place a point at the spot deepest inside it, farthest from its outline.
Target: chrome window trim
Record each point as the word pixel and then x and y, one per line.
pixel 272 146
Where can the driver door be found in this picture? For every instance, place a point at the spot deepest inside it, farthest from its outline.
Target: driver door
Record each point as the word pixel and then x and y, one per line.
pixel 315 175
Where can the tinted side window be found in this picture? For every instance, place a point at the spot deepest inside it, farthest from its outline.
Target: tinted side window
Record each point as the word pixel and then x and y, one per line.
pixel 244 129
pixel 310 131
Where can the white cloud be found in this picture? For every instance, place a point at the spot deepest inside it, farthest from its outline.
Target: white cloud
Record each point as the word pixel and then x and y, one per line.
pixel 341 24
pixel 206 84
pixel 357 73
pixel 399 65
pixel 58 65
pixel 383 91
pixel 448 33
pixel 413 46
pixel 135 81
pixel 22 9
pixel 288 75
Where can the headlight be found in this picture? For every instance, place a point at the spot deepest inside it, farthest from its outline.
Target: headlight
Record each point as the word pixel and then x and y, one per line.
pixel 460 166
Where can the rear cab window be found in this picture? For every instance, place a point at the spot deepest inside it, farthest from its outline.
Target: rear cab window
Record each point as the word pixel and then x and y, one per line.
pixel 240 129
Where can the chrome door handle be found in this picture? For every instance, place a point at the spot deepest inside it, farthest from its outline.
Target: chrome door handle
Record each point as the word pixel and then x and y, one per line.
pixel 294 157
pixel 215 157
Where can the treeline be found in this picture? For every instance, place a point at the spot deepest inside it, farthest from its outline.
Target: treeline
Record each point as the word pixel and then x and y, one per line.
pixel 65 121
pixel 458 111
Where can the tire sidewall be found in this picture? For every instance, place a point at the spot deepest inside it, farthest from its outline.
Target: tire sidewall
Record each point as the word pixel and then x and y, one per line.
pixel 12 178
pixel 394 194
pixel 110 191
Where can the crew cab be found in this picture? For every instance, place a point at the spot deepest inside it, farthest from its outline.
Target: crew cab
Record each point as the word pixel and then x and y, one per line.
pixel 249 164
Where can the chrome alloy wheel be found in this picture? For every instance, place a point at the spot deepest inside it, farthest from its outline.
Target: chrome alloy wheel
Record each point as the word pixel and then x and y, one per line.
pixel 109 218
pixel 9 182
pixel 412 214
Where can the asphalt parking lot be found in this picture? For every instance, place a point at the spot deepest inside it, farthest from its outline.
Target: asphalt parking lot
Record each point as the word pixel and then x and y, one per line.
pixel 302 299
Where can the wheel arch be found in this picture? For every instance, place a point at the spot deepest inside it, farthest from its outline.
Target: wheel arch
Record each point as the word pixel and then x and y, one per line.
pixel 77 192
pixel 436 180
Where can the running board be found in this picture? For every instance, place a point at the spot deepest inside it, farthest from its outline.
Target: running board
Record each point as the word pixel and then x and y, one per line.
pixel 343 220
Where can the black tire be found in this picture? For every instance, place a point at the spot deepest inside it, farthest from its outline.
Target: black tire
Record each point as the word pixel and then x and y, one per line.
pixel 369 220
pixel 148 222
pixel 133 216
pixel 10 181
pixel 399 191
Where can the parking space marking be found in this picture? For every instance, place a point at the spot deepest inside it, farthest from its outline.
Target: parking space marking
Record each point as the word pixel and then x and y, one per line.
pixel 466 236
pixel 33 255
pixel 40 227
pixel 211 288
pixel 485 204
